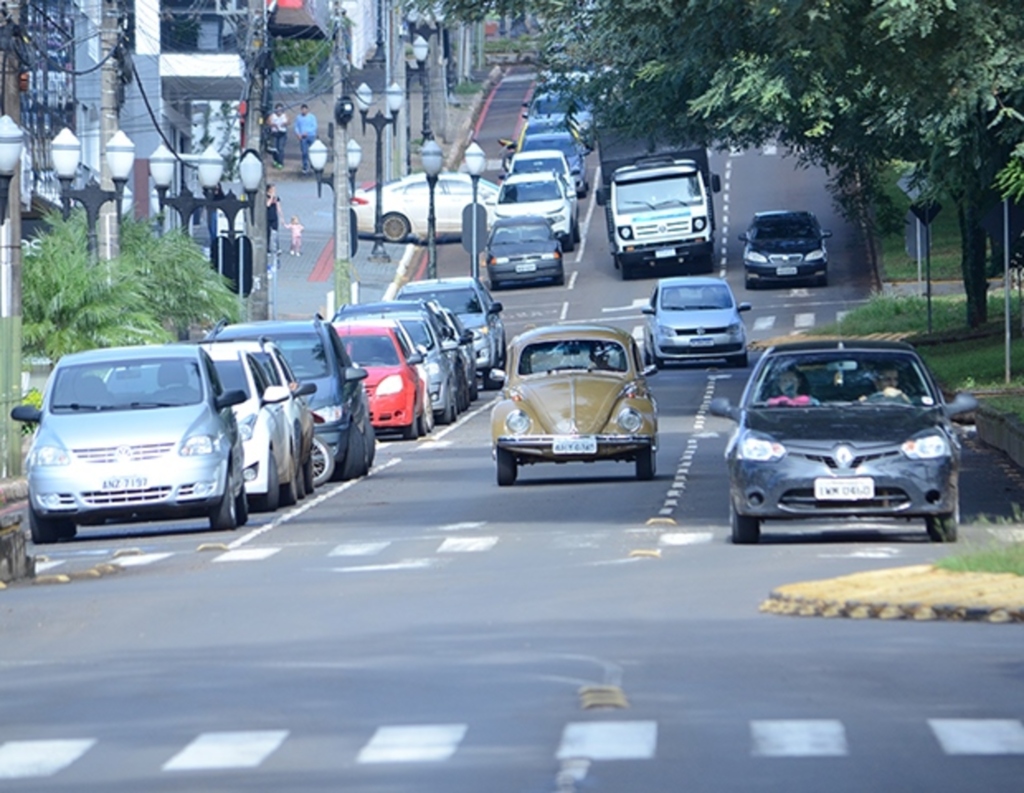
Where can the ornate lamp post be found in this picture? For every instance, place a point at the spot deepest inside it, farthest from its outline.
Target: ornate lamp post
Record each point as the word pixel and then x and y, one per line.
pixel 379 121
pixel 433 159
pixel 210 169
pixel 421 49
pixel 353 157
pixel 67 155
pixel 10 156
pixel 476 160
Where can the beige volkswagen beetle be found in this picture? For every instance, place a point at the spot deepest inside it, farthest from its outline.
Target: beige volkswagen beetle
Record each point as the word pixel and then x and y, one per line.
pixel 574 393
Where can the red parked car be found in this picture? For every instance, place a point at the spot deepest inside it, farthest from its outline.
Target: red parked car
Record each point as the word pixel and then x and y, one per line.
pixel 394 384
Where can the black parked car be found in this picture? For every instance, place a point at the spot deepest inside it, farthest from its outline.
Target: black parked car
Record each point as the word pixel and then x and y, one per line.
pixel 344 441
pixel 523 250
pixel 783 247
pixel 843 429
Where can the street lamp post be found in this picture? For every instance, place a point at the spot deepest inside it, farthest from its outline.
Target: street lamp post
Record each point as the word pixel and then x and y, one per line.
pixel 210 169
pixel 379 121
pixel 476 160
pixel 318 161
pixel 10 295
pixel 433 159
pixel 67 155
pixel 421 50
pixel 353 157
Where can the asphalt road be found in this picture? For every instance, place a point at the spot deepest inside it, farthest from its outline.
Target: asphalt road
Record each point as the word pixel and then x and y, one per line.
pixel 422 629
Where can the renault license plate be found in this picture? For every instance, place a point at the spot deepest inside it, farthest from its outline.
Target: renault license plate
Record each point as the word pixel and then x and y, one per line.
pixel 859 488
pixel 582 445
pixel 785 271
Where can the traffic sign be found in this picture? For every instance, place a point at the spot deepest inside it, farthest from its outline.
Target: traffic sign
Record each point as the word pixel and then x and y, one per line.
pixel 925 211
pixel 474 214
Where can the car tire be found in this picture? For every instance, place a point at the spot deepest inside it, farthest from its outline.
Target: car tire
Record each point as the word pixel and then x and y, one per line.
pixel 224 517
pixel 575 233
pixel 568 243
pixel 355 455
pixel 506 468
pixel 49 530
pixel 322 462
pixel 942 528
pixel 746 530
pixel 289 491
pixel 646 464
pixel 449 414
pixel 269 501
pixel 396 227
pixel 241 507
pixel 300 480
pixel 411 431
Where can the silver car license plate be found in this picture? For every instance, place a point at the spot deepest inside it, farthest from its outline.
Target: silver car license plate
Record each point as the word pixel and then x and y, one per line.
pixel 702 341
pixel 528 267
pixel 582 445
pixel 858 488
pixel 124 483
pixel 785 271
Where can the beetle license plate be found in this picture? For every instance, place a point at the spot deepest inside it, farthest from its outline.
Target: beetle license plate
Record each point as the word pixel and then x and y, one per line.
pixel 664 253
pixel 858 488
pixel 583 445
pixel 785 271
pixel 124 483
pixel 528 267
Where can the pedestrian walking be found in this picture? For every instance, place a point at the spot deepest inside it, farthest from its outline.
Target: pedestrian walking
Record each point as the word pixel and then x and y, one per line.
pixel 295 227
pixel 278 123
pixel 273 214
pixel 305 130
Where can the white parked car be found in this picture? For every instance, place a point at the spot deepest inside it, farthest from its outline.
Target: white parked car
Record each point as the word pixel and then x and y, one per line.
pixel 543 194
pixel 271 471
pixel 406 203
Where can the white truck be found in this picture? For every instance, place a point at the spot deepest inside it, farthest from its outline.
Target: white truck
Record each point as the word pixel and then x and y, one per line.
pixel 658 205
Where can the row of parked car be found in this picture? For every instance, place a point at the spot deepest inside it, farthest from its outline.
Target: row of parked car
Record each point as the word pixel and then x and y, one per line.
pixel 257 414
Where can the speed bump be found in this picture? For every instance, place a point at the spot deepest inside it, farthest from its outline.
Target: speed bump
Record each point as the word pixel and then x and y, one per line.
pixel 602 697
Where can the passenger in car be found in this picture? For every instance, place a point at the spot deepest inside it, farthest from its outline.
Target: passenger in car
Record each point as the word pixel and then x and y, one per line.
pixel 791 388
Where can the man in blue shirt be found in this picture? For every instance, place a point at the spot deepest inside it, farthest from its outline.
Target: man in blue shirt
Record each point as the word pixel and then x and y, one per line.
pixel 305 129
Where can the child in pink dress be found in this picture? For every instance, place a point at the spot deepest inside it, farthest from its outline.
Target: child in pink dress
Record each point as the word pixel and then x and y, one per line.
pixel 295 227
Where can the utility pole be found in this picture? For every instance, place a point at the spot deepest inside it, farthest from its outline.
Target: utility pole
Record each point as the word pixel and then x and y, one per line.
pixel 110 108
pixel 343 112
pixel 10 260
pixel 255 122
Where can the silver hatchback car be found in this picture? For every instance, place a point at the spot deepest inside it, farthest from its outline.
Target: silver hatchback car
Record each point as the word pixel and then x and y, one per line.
pixel 694 318
pixel 129 433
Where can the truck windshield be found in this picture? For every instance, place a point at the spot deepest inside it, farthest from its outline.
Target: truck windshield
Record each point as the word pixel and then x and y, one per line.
pixel 666 193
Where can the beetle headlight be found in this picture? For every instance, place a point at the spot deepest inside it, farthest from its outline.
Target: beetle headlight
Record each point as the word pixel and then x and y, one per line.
pixel 630 420
pixel 517 422
pixel 928 447
pixel 760 449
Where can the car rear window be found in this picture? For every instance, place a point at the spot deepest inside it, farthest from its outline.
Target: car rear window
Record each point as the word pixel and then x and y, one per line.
pixel 459 301
pixel 305 355
pixel 525 192
pixel 371 350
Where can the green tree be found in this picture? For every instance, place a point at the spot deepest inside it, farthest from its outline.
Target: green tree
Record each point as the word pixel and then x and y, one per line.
pixel 150 294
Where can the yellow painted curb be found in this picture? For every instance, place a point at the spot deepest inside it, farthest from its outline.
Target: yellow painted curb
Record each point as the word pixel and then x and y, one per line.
pixel 645 552
pixel 51 579
pixel 213 546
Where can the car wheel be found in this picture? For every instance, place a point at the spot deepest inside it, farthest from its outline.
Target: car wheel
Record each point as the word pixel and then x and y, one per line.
pixel 289 491
pixel 48 530
pixel 746 530
pixel 322 462
pixel 224 517
pixel 355 455
pixel 568 243
pixel 272 498
pixel 411 431
pixel 396 227
pixel 575 233
pixel 646 465
pixel 942 528
pixel 507 468
pixel 300 480
pixel 241 507
pixel 370 442
pixel 308 475
pixel 449 413
pixel 740 361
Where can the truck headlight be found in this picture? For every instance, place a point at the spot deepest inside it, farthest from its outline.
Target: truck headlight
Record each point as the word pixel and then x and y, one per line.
pixel 699 224
pixel 626 232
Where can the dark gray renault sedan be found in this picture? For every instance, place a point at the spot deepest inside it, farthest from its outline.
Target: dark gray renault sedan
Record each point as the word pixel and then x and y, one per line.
pixel 843 429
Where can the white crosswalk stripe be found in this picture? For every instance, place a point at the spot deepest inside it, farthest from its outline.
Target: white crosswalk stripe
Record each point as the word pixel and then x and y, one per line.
pixel 979 736
pixel 798 738
pixel 608 740
pixel 412 743
pixel 764 323
pixel 467 544
pixel 227 750
pixel 247 555
pixel 358 548
pixel 141 560
pixel 25 759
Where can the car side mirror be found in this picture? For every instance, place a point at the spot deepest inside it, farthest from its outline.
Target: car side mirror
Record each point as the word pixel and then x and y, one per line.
pixel 415 359
pixel 744 307
pixel 26 413
pixel 466 337
pixel 496 307
pixel 236 396
pixel 305 389
pixel 720 406
pixel 498 376
pixel 355 373
pixel 275 394
pixel 648 310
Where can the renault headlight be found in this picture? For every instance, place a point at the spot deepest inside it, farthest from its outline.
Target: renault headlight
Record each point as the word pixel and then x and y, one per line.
pixel 927 447
pixel 760 449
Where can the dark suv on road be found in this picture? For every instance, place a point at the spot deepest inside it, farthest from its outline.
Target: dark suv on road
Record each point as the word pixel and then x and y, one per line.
pixel 344 441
